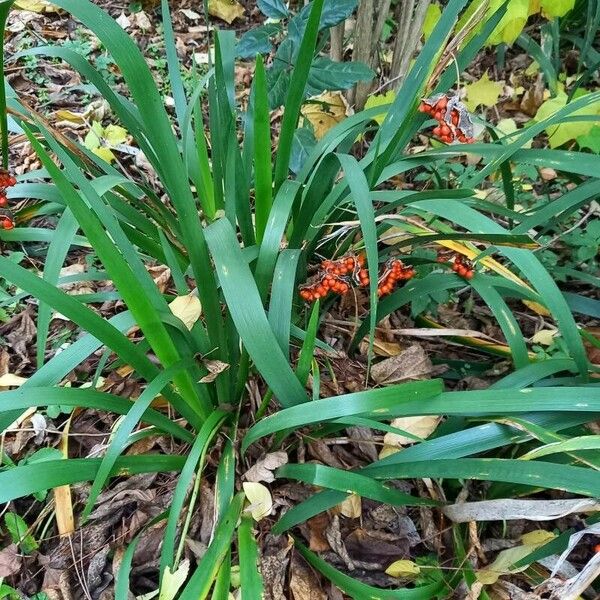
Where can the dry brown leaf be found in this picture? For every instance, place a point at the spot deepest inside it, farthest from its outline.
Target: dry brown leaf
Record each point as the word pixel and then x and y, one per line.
pixel 412 363
pixel 304 584
pixel 317 527
pixel 10 561
pixel 65 522
pixel 227 10
pixel 381 347
pixel 215 368
pixel 593 352
pixel 325 111
pixel 263 469
pixel 187 308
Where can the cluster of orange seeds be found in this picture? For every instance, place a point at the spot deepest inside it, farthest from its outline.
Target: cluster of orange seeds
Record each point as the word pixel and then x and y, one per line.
pixel 453 117
pixel 395 271
pixel 338 276
pixel 460 265
pixel 6 181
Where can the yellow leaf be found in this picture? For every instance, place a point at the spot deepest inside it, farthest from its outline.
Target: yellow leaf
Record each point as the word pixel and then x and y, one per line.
pixel 512 22
pixel 485 91
pixel 261 502
pixel 432 16
pixel 325 111
pixel 104 153
pixel 115 135
pixel 544 337
pixel 388 451
pixel 422 427
pixel 503 564
pixel 227 10
pixel 403 568
pixel 534 7
pixel 351 507
pixel 68 115
pixel 537 537
pixel 38 6
pixel 565 132
pixel 187 308
pixel 380 100
pixel 556 8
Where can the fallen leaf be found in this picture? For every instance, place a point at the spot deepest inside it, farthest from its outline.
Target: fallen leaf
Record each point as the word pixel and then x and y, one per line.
pixel 325 111
pixel 420 426
pixel 485 91
pixel 412 363
pixel 263 469
pixel 259 497
pixel 403 568
pixel 102 140
pixel 537 537
pixel 123 21
pixel 565 132
pixel 304 584
pixel 141 20
pixel 317 527
pixel 504 562
pixel 351 507
pixel 38 6
pixel 187 308
pixel 10 561
pixel 172 582
pixel 190 14
pixel 10 380
pixel 215 368
pixel 380 100
pixel 544 337
pixel 227 10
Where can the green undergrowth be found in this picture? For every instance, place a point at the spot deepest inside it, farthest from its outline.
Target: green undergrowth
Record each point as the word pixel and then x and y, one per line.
pixel 238 232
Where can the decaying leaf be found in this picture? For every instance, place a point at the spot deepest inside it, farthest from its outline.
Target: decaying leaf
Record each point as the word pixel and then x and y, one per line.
pixel 351 507
pixel 263 469
pixel 38 6
pixel 421 427
pixel 325 111
pixel 485 91
pixel 187 308
pixel 259 497
pixel 403 568
pixel 227 10
pixel 412 363
pixel 215 368
pixel 504 562
pixel 304 584
pixel 10 561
